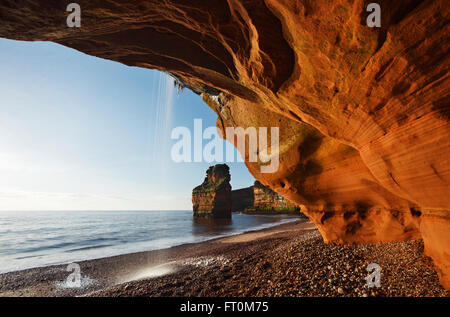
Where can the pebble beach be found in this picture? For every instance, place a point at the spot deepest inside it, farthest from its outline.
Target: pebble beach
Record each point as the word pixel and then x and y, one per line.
pixel 286 260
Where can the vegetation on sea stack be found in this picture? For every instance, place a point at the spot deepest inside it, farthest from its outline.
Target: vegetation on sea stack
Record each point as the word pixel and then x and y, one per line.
pixel 212 199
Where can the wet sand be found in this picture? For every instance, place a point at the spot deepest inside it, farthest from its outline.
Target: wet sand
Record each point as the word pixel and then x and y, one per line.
pixel 286 260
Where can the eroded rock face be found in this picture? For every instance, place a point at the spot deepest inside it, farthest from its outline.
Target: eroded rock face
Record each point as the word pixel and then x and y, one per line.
pixel 363 112
pixel 267 199
pixel 259 198
pixel 242 199
pixel 212 199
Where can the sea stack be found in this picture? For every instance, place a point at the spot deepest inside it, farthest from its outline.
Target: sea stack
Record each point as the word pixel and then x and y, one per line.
pixel 212 199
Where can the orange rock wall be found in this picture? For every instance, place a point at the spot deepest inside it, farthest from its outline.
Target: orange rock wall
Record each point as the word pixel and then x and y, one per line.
pixel 363 112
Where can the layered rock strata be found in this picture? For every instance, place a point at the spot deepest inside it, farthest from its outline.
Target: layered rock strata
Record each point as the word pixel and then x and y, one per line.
pixel 212 199
pixel 242 199
pixel 268 200
pixel 363 112
pixel 261 199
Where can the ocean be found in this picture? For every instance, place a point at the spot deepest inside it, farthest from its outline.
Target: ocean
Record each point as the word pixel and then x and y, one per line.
pixel 39 238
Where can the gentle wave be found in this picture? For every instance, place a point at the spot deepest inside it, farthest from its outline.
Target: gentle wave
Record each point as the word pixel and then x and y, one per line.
pixel 32 242
pixel 88 248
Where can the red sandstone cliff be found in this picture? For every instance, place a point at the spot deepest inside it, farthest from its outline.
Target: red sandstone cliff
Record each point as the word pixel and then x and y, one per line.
pixel 212 199
pixel 267 199
pixel 260 198
pixel 363 112
pixel 242 199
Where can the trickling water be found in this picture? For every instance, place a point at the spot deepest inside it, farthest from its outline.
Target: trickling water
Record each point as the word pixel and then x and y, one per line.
pixel 161 123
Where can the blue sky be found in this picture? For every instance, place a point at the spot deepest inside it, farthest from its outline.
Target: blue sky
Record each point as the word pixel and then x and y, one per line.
pixel 79 133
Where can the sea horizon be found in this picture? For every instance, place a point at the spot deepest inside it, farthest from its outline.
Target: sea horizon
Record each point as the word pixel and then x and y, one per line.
pixel 56 210
pixel 31 239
